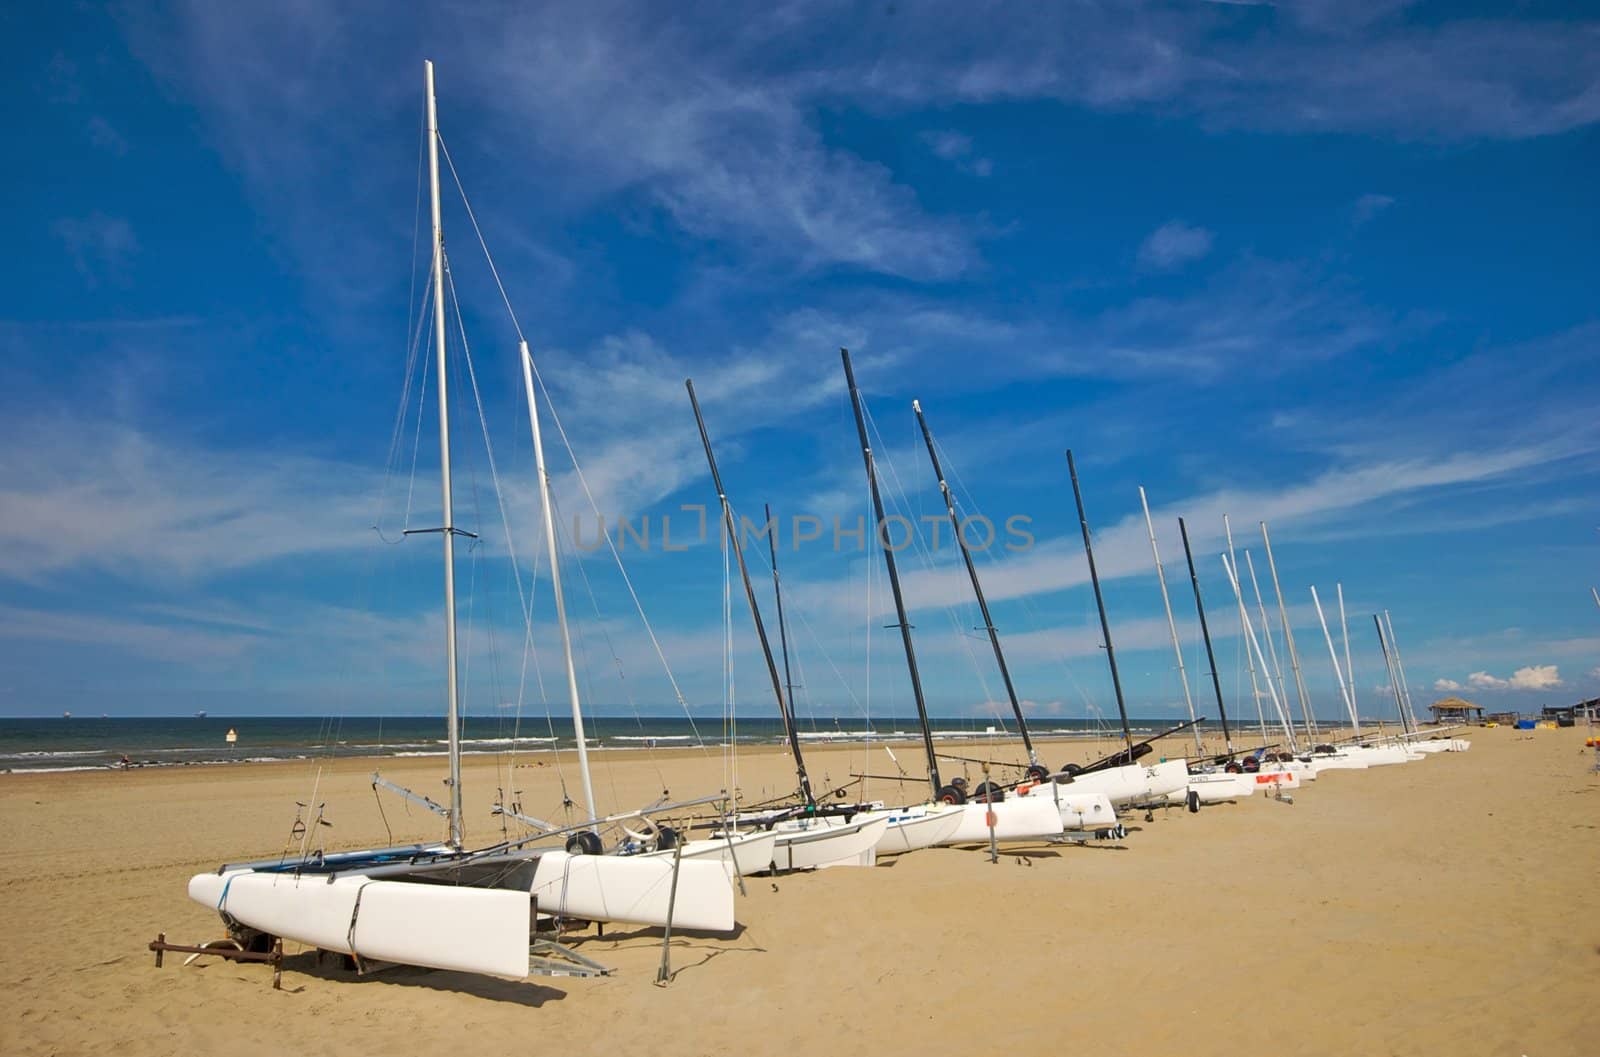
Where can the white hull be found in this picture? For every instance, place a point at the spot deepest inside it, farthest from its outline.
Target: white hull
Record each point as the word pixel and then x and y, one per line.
pixel 814 844
pixel 1441 745
pixel 475 930
pixel 635 890
pixel 1340 761
pixel 1079 811
pixel 1019 818
pixel 1221 786
pixel 750 852
pixel 913 828
pixel 1169 778
pixel 1276 777
pixel 1121 785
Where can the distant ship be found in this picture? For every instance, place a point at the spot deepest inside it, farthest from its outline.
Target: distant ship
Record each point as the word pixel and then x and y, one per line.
pixel 200 714
pixel 66 715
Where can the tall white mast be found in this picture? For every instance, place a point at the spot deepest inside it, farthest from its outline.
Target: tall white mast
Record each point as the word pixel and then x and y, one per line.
pixel 555 582
pixel 453 720
pixel 1250 660
pixel 1161 575
pixel 1266 629
pixel 1288 636
pixel 1250 634
pixel 1334 657
pixel 1400 669
pixel 1349 672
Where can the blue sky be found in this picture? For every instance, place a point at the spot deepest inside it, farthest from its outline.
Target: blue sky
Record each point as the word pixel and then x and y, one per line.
pixel 1327 265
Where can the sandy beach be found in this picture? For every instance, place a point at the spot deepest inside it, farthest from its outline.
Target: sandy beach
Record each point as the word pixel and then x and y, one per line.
pixel 1445 906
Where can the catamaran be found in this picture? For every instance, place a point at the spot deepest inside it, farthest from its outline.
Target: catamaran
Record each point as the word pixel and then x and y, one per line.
pixel 440 904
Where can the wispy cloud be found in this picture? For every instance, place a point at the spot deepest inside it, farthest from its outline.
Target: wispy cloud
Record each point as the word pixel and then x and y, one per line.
pixel 1173 245
pixel 86 495
pixel 956 148
pixel 1368 206
pixel 99 246
pixel 104 136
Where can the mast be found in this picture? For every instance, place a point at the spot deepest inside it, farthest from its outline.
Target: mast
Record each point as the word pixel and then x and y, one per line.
pixel 1400 669
pixel 1250 659
pixel 894 577
pixel 555 582
pixel 1394 685
pixel 1100 602
pixel 1288 635
pixel 1349 672
pixel 977 588
pixel 1205 633
pixel 777 592
pixel 732 529
pixel 453 716
pixel 1250 635
pixel 1334 657
pixel 1266 629
pixel 1172 626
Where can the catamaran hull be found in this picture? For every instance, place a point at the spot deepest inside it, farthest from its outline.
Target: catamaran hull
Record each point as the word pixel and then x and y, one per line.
pixel 1220 787
pixel 914 828
pixel 1079 811
pixel 475 930
pixel 749 852
pixel 1441 745
pixel 815 844
pixel 1169 778
pixel 1121 785
pixel 1020 818
pixel 635 890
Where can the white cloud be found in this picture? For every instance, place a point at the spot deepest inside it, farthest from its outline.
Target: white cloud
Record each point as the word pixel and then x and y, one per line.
pixel 1447 684
pixel 1173 245
pixel 1536 677
pixel 1532 677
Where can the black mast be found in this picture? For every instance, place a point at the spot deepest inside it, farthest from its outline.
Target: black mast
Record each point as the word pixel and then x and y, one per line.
pixel 1099 600
pixel 1205 633
pixel 750 596
pixel 977 588
pixel 777 592
pixel 894 578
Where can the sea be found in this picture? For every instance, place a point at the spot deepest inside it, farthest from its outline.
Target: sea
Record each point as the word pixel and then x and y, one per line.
pixel 86 743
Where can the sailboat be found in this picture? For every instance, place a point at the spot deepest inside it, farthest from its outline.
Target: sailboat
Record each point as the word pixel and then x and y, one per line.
pixel 807 835
pixel 442 905
pixel 1079 810
pixel 993 818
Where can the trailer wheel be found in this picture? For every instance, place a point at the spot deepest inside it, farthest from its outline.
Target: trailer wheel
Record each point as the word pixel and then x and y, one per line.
pixel 666 838
pixel 951 795
pixel 585 842
pixel 1038 772
pixel 1251 765
pixel 1232 767
pixel 988 793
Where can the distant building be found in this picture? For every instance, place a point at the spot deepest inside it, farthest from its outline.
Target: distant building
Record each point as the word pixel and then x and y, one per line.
pixel 1455 710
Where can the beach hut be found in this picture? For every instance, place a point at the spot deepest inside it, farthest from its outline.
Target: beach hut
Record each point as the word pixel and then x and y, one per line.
pixel 1455 710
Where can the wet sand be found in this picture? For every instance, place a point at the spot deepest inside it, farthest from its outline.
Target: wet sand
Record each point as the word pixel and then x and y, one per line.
pixel 1444 906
